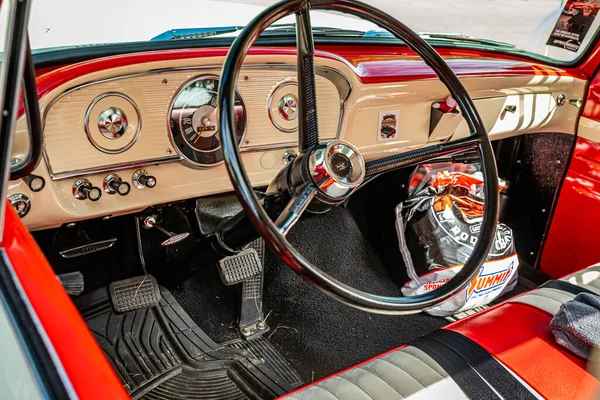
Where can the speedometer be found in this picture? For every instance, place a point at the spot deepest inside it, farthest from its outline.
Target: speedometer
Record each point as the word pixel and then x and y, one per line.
pixel 194 126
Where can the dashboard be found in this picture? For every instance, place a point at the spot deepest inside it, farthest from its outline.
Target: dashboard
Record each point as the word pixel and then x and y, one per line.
pixel 128 132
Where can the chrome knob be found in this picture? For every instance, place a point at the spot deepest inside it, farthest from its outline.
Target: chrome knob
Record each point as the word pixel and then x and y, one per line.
pixel 114 184
pixel 147 180
pixel 20 203
pixel 289 156
pixel 142 180
pixel 83 189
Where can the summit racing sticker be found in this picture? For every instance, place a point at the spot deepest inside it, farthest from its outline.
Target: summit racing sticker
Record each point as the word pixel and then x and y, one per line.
pixel 487 282
pixel 573 25
pixel 388 125
pixel 493 279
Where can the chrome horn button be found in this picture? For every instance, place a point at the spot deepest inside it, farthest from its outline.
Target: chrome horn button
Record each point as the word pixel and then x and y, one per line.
pixel 336 168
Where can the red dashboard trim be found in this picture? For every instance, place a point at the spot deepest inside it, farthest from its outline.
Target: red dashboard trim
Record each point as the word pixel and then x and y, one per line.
pixel 372 64
pixel 84 362
pixel 383 64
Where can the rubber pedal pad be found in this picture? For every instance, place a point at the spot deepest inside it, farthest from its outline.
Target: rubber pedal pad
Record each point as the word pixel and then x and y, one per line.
pixel 133 294
pixel 240 267
pixel 72 282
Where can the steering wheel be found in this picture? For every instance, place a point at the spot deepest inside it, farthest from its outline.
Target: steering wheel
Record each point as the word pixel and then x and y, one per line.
pixel 326 174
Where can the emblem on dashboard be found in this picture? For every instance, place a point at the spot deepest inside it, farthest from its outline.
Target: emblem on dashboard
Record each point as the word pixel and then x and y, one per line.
pixel 388 125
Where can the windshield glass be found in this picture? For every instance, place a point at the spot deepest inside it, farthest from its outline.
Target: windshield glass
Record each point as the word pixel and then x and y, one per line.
pixel 558 29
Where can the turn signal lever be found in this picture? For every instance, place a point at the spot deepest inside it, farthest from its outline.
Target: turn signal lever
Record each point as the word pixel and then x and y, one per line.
pixel 150 222
pixel 83 189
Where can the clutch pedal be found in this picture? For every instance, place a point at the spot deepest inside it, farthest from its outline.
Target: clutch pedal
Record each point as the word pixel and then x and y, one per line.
pixel 134 294
pixel 246 268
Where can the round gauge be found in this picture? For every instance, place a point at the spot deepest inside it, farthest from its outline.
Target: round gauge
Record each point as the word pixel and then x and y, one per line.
pixel 194 124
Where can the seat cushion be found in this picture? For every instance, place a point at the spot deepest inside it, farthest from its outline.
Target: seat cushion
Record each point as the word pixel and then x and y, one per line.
pixel 403 373
pixel 588 278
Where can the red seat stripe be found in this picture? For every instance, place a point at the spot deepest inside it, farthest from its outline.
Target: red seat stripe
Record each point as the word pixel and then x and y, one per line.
pixel 519 336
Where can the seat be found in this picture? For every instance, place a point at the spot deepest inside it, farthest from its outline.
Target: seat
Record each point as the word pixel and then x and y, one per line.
pixel 399 374
pixel 514 335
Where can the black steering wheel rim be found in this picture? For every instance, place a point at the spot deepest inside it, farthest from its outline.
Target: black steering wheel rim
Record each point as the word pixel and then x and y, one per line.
pixel 263 223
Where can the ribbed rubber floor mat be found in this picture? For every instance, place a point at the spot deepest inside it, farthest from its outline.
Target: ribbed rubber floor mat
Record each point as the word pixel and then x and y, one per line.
pixel 160 353
pixel 196 386
pixel 263 350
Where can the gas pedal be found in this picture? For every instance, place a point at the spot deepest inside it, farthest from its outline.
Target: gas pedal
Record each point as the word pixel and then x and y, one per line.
pixel 246 268
pixel 72 282
pixel 134 294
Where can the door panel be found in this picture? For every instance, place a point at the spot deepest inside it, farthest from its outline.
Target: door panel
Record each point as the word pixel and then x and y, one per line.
pixel 573 240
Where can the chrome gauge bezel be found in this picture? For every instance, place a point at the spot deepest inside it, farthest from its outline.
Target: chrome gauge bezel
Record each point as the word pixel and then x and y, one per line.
pixel 87 120
pixel 190 154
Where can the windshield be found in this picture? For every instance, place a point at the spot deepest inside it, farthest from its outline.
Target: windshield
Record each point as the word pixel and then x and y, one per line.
pixel 558 29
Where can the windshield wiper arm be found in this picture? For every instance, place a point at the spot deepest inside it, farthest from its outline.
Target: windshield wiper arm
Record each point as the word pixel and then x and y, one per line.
pixel 459 37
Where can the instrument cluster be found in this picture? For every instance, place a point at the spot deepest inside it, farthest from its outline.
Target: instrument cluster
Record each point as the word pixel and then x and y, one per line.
pixel 194 126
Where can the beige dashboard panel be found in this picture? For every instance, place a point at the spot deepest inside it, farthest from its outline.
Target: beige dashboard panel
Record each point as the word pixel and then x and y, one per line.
pixel 153 93
pixel 514 114
pixel 55 205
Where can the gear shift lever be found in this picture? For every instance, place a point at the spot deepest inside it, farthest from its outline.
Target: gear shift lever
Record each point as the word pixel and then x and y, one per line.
pixel 150 222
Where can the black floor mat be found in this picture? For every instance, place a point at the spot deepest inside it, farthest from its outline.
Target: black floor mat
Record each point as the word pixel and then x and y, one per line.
pixel 315 333
pixel 160 353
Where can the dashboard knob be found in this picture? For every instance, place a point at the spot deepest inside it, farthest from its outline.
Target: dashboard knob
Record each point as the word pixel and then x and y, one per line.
pixel 114 184
pixel 142 179
pixel 83 189
pixel 20 203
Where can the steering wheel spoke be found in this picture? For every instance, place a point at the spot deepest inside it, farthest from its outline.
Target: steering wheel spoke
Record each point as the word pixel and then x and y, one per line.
pixel 294 209
pixel 419 156
pixel 308 127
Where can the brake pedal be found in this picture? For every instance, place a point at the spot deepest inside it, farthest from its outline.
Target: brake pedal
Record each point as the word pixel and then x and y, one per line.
pixel 134 294
pixel 243 266
pixel 246 268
